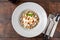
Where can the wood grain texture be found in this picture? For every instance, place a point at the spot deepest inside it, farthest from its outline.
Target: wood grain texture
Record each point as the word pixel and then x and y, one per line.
pixel 6 9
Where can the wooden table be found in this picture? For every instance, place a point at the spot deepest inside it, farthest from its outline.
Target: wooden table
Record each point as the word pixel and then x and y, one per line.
pixel 6 9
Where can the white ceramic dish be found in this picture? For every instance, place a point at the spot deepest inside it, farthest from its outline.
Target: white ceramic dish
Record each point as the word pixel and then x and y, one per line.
pixel 36 30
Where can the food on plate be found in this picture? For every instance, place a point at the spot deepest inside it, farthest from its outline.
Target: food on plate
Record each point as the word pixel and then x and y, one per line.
pixel 28 19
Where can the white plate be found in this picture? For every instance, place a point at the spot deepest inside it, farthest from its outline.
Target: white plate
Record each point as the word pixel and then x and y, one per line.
pixel 35 31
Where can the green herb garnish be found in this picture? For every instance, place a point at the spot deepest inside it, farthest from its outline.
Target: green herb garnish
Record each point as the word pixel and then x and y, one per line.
pixel 30 14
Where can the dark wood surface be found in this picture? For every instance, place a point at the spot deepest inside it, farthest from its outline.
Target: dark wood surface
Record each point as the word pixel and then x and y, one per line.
pixel 6 9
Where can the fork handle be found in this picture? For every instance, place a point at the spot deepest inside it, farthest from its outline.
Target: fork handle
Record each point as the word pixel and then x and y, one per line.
pixel 46 37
